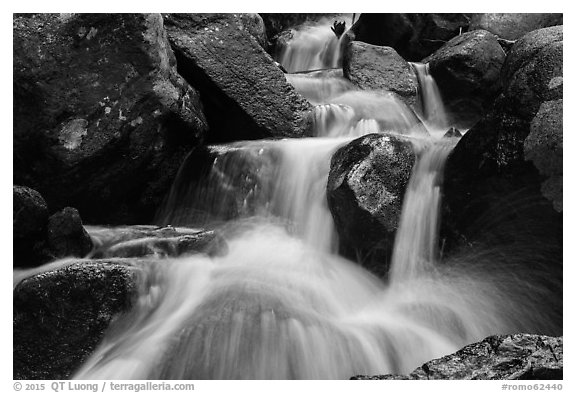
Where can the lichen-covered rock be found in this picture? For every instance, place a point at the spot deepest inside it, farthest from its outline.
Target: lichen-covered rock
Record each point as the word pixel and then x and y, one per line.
pixel 102 120
pixel 373 67
pixel 61 315
pixel 30 217
pixel 499 187
pixel 66 236
pixel 413 36
pixel 467 72
pixel 512 26
pixel 512 357
pixel 236 77
pixel 366 186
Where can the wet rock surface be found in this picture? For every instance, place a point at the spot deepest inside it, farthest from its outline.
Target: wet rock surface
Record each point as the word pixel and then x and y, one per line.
pixel 498 188
pixel 102 120
pixel 512 357
pixel 467 72
pixel 372 67
pixel 61 315
pixel 66 235
pixel 366 186
pixel 236 76
pixel 160 242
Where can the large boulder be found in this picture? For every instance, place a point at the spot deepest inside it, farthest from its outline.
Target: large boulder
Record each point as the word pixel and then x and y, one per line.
pixel 66 235
pixel 503 179
pixel 512 26
pixel 373 67
pixel 512 357
pixel 366 185
pixel 60 316
pixel 467 72
pixel 102 120
pixel 30 217
pixel 236 77
pixel 413 36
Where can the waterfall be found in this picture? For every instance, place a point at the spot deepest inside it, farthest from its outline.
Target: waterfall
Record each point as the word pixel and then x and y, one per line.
pixel 417 236
pixel 431 104
pixel 281 303
pixel 312 47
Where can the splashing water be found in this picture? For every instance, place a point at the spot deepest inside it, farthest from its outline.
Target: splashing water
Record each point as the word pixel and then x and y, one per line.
pixel 281 304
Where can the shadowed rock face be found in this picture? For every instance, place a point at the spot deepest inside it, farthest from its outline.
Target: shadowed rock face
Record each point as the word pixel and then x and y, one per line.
pixel 366 186
pixel 499 188
pixel 373 67
pixel 66 235
pixel 60 316
pixel 413 36
pixel 467 71
pixel 101 118
pixel 513 357
pixel 237 77
pixel 512 26
pixel 30 216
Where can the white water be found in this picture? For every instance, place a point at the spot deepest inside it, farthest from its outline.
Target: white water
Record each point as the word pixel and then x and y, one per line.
pixel 313 46
pixel 281 304
pixel 432 107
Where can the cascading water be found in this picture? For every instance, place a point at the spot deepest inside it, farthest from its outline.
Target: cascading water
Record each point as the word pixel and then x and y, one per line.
pixel 431 104
pixel 280 303
pixel 313 47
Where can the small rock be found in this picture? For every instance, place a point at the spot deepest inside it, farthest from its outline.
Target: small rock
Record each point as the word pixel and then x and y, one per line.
pixel 453 133
pixel 66 235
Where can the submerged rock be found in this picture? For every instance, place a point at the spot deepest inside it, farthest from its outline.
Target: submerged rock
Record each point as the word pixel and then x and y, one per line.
pixel 373 67
pixel 66 235
pixel 102 120
pixel 61 315
pixel 467 71
pixel 366 186
pixel 159 242
pixel 512 26
pixel 512 357
pixel 236 77
pixel 413 36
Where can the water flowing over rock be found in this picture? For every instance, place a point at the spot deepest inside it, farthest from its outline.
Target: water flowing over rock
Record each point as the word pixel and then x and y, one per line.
pixel 366 185
pixel 91 91
pixel 467 71
pixel 235 76
pixel 513 25
pixel 497 183
pixel 513 357
pixel 277 23
pixel 61 315
pixel 157 242
pixel 373 67
pixel 314 251
pixel 413 36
